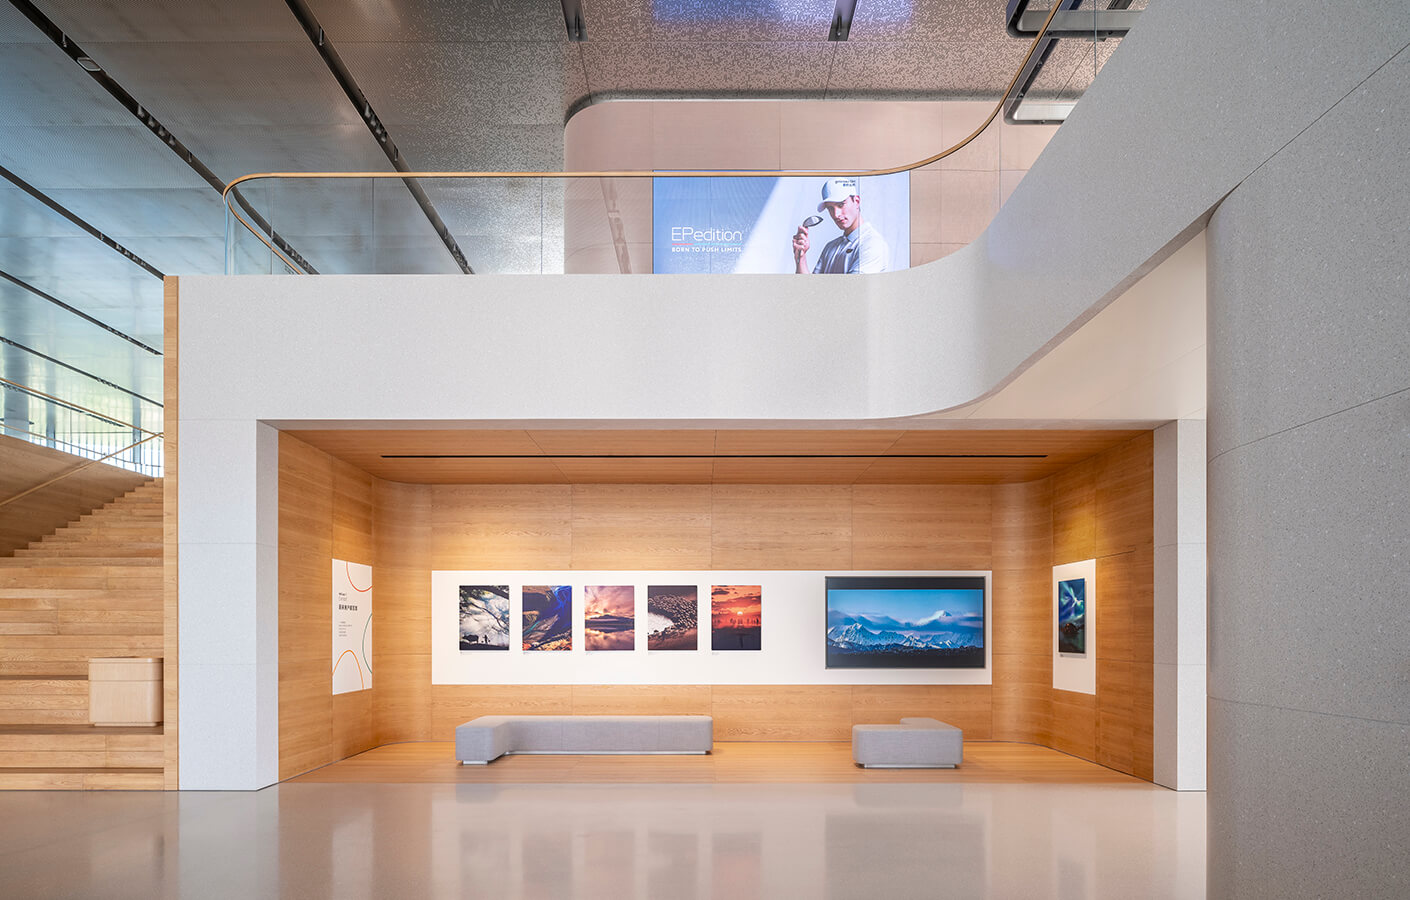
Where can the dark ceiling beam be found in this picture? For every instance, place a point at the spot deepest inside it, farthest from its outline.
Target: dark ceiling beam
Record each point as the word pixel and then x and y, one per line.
pixel 359 100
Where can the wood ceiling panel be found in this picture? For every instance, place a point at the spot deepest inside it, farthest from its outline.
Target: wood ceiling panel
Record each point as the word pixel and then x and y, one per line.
pixel 683 456
pixel 860 443
pixel 1069 446
pixel 620 442
pixel 507 470
pixel 357 446
pixel 954 471
pixel 789 470
pixel 647 470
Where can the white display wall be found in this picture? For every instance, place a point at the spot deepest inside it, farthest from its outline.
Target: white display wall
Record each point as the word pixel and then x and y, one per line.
pixel 793 646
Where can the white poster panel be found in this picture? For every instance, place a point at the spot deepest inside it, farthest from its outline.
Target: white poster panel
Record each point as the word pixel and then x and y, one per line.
pixel 1073 671
pixel 352 627
pixel 792 642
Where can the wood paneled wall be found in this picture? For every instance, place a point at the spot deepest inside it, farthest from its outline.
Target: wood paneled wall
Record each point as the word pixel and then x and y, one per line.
pixel 1104 508
pixel 24 465
pixel 1100 507
pixel 424 527
pixel 171 599
pixel 325 513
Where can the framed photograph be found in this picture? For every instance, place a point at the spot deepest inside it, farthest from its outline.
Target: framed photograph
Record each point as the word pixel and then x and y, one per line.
pixel 548 617
pixel 1072 617
pixel 672 616
pixel 609 617
pixel 736 616
pixel 905 622
pixel 484 617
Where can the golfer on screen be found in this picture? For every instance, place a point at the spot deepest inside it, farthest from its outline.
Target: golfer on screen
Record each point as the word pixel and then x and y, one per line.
pixel 860 247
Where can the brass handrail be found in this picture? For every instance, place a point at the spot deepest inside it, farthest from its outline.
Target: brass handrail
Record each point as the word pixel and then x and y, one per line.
pixel 79 468
pixel 83 409
pixel 633 173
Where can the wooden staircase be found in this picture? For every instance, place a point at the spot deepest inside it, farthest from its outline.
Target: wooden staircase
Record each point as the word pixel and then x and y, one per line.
pixel 90 589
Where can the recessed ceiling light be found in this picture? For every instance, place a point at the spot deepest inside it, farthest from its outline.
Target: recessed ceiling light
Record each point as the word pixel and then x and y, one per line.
pixel 88 64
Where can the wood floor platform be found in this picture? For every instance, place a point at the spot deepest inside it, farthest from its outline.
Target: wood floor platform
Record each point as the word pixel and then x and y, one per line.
pixel 989 762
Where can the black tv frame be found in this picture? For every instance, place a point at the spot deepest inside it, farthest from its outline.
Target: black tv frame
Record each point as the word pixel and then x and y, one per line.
pixel 975 658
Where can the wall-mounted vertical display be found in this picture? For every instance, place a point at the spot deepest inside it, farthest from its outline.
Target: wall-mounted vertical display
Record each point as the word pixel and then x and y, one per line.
pixel 548 617
pixel 1072 617
pixel 906 622
pixel 809 224
pixel 736 616
pixel 1075 624
pixel 609 617
pixel 352 627
pixel 672 616
pixel 484 617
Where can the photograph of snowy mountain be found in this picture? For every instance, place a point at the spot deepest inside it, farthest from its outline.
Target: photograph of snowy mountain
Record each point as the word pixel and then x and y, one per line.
pixel 884 622
pixel 1072 617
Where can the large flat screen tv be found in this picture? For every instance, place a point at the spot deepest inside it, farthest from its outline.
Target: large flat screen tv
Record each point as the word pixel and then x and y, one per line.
pixel 905 622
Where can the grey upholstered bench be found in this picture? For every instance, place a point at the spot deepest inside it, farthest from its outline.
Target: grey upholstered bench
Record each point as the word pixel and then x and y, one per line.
pixel 914 744
pixel 487 738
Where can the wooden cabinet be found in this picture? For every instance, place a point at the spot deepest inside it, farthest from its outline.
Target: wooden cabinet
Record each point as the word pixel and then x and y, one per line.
pixel 125 691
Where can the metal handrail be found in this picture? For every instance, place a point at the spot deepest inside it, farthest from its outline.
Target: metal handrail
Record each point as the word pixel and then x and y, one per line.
pixel 83 409
pixel 632 173
pixel 79 468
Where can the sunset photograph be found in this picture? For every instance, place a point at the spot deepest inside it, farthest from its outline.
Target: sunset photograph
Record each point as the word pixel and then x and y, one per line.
pixel 736 614
pixel 609 617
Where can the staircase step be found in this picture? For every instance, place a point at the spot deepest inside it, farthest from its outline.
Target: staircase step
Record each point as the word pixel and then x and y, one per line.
pixel 92 548
pixel 81 779
pixel 16 562
pixel 79 578
pixel 90 589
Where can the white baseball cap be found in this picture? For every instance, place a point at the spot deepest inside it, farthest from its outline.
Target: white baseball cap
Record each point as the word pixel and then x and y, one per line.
pixel 837 190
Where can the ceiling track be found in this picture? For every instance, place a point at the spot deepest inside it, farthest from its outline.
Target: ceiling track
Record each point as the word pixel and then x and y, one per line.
pixel 77 312
pixel 58 362
pixel 73 217
pixel 374 124
pixel 1064 20
pixel 143 115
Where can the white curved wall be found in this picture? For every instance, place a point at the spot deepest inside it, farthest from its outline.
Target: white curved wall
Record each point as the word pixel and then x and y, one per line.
pixel 1183 112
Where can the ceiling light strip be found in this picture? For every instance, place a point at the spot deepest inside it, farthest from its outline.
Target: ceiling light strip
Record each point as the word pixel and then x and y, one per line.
pixel 374 124
pixel 76 369
pixel 78 312
pixel 573 20
pixel 73 217
pixel 717 456
pixel 143 115
pixel 842 15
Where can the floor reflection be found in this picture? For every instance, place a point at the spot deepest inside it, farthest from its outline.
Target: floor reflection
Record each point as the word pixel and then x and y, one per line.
pixel 617 842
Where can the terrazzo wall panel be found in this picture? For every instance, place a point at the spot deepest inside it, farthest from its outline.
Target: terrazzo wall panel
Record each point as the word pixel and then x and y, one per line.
pixel 1309 484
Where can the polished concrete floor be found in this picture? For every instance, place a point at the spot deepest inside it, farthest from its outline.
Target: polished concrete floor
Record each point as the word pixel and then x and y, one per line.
pixel 617 841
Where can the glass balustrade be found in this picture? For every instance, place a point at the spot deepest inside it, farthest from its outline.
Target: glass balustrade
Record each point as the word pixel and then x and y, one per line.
pixel 663 221
pixel 130 439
